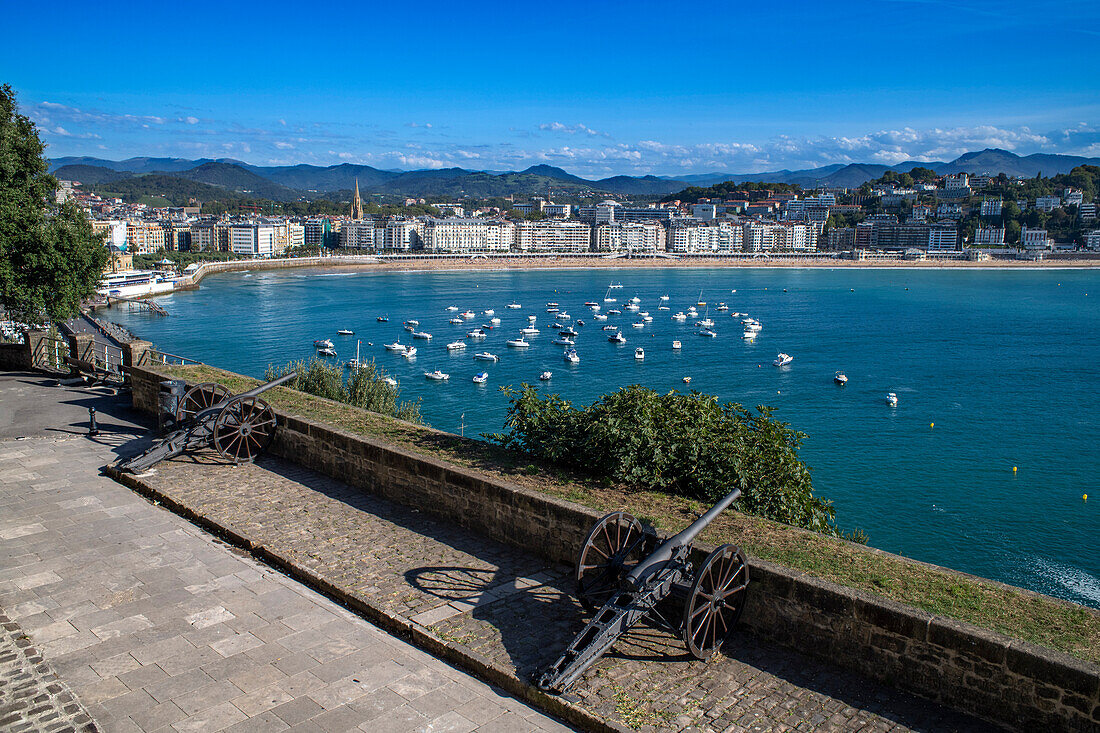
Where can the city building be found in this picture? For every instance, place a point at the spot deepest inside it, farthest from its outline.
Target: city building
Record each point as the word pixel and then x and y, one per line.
pixel 252 239
pixel 1092 239
pixel 1048 203
pixel 551 235
pixel 468 235
pixel 989 237
pixel 144 237
pixel 1034 239
pixel 1072 196
pixel 687 236
pixel 704 212
pixel 359 234
pixel 1087 212
pixel 943 239
pixel 403 235
pixel 630 236
pixel 992 207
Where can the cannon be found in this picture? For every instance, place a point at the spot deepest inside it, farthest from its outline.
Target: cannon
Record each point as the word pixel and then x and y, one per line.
pixel 623 577
pixel 240 426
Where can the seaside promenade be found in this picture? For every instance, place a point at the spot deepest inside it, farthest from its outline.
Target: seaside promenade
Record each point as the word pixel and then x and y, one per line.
pixel 148 621
pixel 118 615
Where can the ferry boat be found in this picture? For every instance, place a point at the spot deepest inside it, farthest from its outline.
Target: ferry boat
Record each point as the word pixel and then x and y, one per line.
pixel 486 356
pixel 136 283
pixel 481 377
pixel 437 376
pixel 782 359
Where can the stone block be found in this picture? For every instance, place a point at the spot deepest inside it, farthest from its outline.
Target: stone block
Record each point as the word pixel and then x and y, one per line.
pixel 1039 663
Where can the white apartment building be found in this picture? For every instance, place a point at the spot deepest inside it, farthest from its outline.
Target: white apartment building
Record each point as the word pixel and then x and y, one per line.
pixel 359 234
pixel 468 235
pixel 1034 239
pixel 686 236
pixel 1048 203
pixel 202 237
pixel 759 236
pixel 704 212
pixel 795 237
pixel 957 182
pixel 1086 212
pixel 943 239
pixel 144 237
pixel 989 237
pixel 992 207
pixel 402 235
pixel 551 235
pixel 1092 239
pixel 1072 196
pixel 562 210
pixel 731 236
pixel 633 236
pixel 255 240
pixel 114 232
pixel 457 210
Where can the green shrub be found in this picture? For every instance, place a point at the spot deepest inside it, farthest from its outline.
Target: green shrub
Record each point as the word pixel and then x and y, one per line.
pixel 363 388
pixel 685 444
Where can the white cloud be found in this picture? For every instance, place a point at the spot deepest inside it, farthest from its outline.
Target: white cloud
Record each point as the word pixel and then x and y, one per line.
pixel 191 120
pixel 283 145
pixel 571 129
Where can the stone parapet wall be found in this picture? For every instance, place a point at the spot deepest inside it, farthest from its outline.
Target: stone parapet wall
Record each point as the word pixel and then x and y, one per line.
pixel 1004 680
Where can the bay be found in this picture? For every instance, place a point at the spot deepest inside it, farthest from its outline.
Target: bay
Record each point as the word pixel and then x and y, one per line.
pixel 1004 363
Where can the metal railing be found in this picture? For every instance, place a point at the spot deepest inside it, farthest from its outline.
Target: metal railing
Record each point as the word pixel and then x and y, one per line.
pixel 50 353
pixel 154 357
pixel 103 357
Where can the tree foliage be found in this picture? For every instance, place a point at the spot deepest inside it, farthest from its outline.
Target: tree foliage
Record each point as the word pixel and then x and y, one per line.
pixel 726 189
pixel 685 444
pixel 364 388
pixel 50 259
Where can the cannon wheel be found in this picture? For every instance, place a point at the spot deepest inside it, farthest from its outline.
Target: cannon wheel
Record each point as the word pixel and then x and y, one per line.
pixel 614 542
pixel 200 397
pixel 244 428
pixel 716 601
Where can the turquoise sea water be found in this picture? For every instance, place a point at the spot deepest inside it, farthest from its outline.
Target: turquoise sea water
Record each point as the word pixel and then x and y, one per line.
pixel 1005 363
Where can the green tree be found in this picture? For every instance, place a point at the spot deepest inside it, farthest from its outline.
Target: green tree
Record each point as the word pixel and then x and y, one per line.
pixel 50 259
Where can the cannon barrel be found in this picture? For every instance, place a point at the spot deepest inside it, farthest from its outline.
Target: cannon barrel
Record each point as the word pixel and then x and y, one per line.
pixel 636 577
pixel 270 385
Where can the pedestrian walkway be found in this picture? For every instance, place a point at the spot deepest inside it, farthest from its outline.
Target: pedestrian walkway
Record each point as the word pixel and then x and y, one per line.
pixel 153 624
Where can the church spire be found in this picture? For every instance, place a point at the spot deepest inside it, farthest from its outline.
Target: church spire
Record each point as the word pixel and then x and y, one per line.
pixel 357 203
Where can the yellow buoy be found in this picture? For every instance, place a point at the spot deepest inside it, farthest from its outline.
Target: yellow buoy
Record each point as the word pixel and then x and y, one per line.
pixel 931 424
pixel 1084 497
pixel 1013 469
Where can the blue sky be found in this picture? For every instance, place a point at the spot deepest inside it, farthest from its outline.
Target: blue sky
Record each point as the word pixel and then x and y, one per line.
pixel 596 88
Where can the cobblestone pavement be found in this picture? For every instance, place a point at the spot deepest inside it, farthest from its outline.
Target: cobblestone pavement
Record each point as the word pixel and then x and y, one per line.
pixel 511 607
pixel 32 696
pixel 154 625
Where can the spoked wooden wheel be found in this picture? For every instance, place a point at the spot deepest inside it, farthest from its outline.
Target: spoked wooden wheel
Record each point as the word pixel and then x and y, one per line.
pixel 615 542
pixel 244 428
pixel 716 601
pixel 200 397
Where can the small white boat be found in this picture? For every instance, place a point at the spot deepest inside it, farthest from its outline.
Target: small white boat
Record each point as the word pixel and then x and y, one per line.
pixel 354 364
pixel 746 320
pixel 545 376
pixel 568 331
pixel 891 399
pixel 457 321
pixel 456 346
pixel 488 312
pixel 687 380
pixel 609 327
pixel 518 343
pixel 614 312
pixel 390 381
pixel 452 308
pixel 840 378
pixel 395 346
pixel 755 327
pixel 409 327
pixel 530 331
pixel 532 319
pixel 564 341
pixel 409 353
pixel 592 304
pixel 437 376
pixel 326 352
pixel 486 356
pixel 782 359
pixel 607 298
pixel 551 305
pixel 468 314
pixel 632 307
pixel 617 338
pixel 477 333
pixel 323 344
pixel 422 335
pixel 481 377
pixel 749 335
pixel 676 345
pixel 383 319
pixel 635 299
pixel 706 332
pixel 722 308
pixel 639 353
pixel 680 317
pixel 514 306
pixel 638 324
pixel 647 319
pixel 664 297
pixel 495 321
pixel 570 356
pixel 663 308
pixel 600 317
pixel 346 332
pixel 412 323
pixel 563 316
pixel 643 314
pixel 705 323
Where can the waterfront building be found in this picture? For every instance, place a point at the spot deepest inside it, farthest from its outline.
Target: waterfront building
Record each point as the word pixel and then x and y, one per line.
pixel 900 236
pixel 989 237
pixel 360 235
pixel 1034 239
pixel 1048 203
pixel 322 232
pixel 630 236
pixel 289 235
pixel 468 235
pixel 842 238
pixel 144 237
pixel 865 231
pixel 202 236
pixel 551 235
pixel 687 235
pixel 403 235
pixel 943 239
pixel 252 239
pixel 1092 239
pixel 609 212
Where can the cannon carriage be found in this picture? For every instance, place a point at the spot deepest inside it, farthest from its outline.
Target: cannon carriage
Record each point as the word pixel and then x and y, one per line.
pixel 240 427
pixel 624 575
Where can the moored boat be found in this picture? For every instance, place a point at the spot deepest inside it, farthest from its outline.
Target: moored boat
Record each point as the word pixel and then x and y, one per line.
pixel 437 376
pixel 782 359
pixel 639 353
pixel 481 377
pixel 840 378
pixel 486 356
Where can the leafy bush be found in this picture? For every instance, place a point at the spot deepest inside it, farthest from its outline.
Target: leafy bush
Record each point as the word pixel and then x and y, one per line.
pixel 363 388
pixel 686 444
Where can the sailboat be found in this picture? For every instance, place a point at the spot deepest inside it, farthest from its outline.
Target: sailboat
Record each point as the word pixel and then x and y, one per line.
pixel 354 363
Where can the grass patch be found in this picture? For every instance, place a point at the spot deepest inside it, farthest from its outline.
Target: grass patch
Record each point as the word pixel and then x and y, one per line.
pixel 1039 619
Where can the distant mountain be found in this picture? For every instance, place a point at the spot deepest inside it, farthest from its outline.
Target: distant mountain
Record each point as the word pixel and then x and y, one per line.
pixel 318 178
pixel 88 174
pixel 176 190
pixel 994 160
pixel 133 165
pixel 236 178
pixel 646 185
